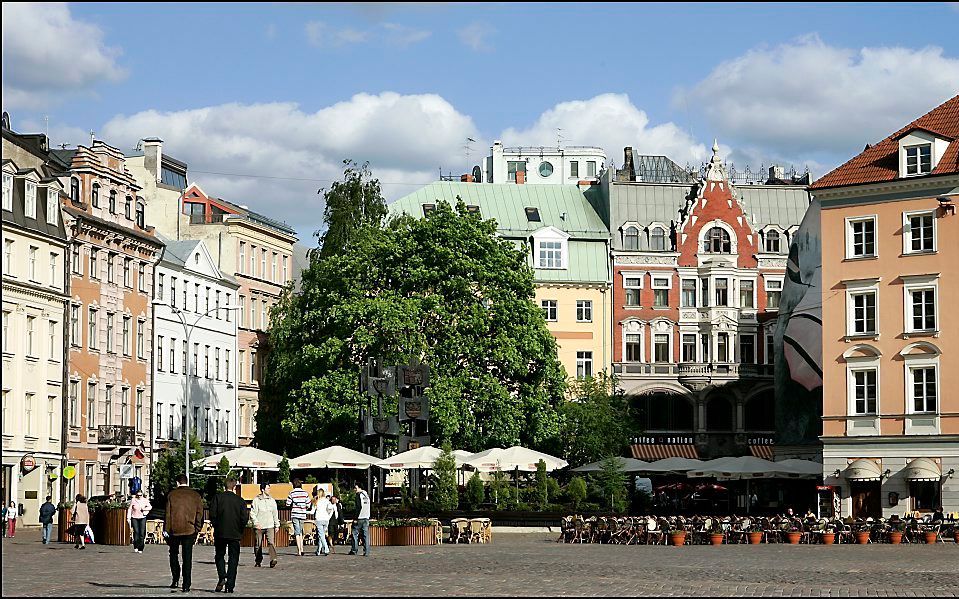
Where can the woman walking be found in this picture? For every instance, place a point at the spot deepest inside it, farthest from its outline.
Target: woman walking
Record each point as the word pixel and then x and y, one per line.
pixel 336 522
pixel 137 519
pixel 322 511
pixel 11 519
pixel 81 519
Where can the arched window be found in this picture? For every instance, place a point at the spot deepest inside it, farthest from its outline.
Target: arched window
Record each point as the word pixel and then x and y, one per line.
pixel 666 411
pixel 95 195
pixel 657 239
pixel 772 241
pixel 759 412
pixel 140 215
pixel 128 208
pixel 717 241
pixel 113 201
pixel 75 189
pixel 631 238
pixel 719 414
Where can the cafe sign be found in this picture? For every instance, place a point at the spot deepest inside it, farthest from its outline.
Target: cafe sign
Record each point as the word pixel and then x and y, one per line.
pixel 28 463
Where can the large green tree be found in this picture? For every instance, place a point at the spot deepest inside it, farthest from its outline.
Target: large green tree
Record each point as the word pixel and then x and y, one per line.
pixel 594 421
pixel 351 204
pixel 444 289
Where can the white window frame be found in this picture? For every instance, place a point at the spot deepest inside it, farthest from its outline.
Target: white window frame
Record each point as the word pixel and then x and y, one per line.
pixel 739 347
pixel 668 277
pixel 850 241
pixel 581 361
pixel 633 274
pixel 907 232
pixel 669 346
pixel 859 287
pixel 739 294
pixel 921 423
pixel 682 292
pixel 626 233
pixel 862 424
pixel 682 345
pixel 8 191
pixel 642 348
pixel 871 366
pixel 780 237
pixel 584 310
pixel 917 148
pixel 919 283
pixel 543 261
pixel 918 364
pixel 30 199
pixel 554 306
pixel 52 213
pixel 767 288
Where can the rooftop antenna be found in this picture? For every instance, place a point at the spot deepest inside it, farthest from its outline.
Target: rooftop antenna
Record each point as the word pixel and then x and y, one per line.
pixel 559 138
pixel 92 137
pixel 46 123
pixel 469 149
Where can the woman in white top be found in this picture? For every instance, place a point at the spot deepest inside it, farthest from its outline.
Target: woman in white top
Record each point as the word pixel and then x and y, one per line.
pixel 322 510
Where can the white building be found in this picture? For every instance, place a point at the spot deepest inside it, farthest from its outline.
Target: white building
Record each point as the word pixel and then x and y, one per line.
pixel 541 165
pixel 189 285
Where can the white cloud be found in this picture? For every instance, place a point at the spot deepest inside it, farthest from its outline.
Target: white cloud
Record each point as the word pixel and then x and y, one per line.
pixel 402 35
pixel 404 137
pixel 474 35
pixel 47 53
pixel 807 96
pixel 322 35
pixel 612 122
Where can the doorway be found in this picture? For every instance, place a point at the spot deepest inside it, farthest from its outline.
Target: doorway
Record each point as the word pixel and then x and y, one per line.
pixel 866 501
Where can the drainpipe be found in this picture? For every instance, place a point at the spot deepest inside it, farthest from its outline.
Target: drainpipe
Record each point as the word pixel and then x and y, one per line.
pixel 65 384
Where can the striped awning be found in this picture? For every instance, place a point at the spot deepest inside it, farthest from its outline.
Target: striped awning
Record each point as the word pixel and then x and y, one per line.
pixel 762 451
pixel 659 452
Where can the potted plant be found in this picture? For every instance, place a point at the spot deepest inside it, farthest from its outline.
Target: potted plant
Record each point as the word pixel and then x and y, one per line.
pixel 828 534
pixel 755 534
pixel 716 533
pixel 895 532
pixel 677 537
pixel 929 536
pixel 862 532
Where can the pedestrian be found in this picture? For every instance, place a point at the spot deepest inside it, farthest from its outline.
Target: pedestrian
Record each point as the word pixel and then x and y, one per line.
pixel 300 502
pixel 3 521
pixel 181 524
pixel 137 519
pixel 336 522
pixel 81 521
pixel 228 517
pixel 47 510
pixel 266 522
pixel 322 511
pixel 362 524
pixel 12 519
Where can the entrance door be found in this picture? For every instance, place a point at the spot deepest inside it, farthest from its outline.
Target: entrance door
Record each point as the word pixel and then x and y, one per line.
pixel 865 499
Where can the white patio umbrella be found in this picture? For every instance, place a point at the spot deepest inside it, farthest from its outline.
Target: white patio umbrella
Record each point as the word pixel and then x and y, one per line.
pixel 799 468
pixel 335 456
pixel 742 468
pixel 421 457
pixel 674 464
pixel 245 458
pixel 628 464
pixel 514 458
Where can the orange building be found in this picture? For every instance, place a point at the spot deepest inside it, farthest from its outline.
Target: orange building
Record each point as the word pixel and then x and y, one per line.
pixel 890 260
pixel 112 257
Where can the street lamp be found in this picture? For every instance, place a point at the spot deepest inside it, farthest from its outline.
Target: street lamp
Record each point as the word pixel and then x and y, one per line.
pixel 188 332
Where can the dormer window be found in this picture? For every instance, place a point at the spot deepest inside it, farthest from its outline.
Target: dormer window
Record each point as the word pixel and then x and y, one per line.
pixel 428 209
pixel 532 214
pixel 918 159
pixel 7 191
pixel 550 254
pixel 657 239
pixel 772 242
pixel 51 206
pixel 471 209
pixel 30 199
pixel 631 238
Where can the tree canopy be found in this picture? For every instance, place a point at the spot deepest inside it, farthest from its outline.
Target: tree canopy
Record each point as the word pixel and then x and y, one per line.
pixel 594 422
pixel 444 289
pixel 351 204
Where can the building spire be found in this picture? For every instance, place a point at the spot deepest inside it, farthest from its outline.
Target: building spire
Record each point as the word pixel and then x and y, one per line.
pixel 715 171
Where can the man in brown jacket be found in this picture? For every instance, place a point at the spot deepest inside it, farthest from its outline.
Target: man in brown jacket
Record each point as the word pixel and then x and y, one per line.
pixel 182 523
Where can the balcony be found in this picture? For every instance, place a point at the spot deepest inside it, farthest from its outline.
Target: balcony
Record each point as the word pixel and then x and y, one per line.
pixel 695 370
pixel 114 434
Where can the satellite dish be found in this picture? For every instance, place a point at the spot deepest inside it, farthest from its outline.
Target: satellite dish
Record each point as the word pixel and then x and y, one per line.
pixel 477 175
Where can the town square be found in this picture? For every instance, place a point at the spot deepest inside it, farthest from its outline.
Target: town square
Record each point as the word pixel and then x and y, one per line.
pixel 416 299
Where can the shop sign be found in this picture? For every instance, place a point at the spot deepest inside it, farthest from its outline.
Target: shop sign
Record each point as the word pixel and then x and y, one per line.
pixel 28 463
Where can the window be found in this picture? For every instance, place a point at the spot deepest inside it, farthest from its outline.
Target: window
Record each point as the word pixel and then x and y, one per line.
pixel 532 214
pixel 113 201
pixel 206 297
pixel 661 287
pixel 722 347
pixel 545 169
pixel 634 347
pixel 7 191
pixel 774 292
pixel 264 324
pixel 252 272
pixel 75 265
pixel 229 312
pixel 864 391
pixel 89 480
pixel 253 306
pixel 186 289
pixel 196 359
pixel 94 194
pixel 141 324
pixel 226 428
pixel 52 211
pixel 286 272
pixel 52 339
pixel 206 361
pixel 75 339
pixel 226 365
pixel 138 419
pixel 216 367
pixel 141 215
pixel 110 333
pixel 919 232
pixel 253 366
pixel 32 263
pixel 53 270
pixel 861 237
pixel 196 297
pixel 926 495
pixel 6 331
pixel 7 256
pixel 74 413
pixel 124 405
pixel 722 295
pixel 923 389
pixel 216 426
pixel 170 422
pixel 631 238
pixel 241 367
pixel 549 309
pixel 159 353
pixel 864 313
pixel 30 199
pixel 127 276
pixel 513 167
pixel 584 364
pixel 661 348
pixel 657 239
pixel 746 294
pixel 160 287
pixel 689 348
pixel 428 209
pixel 688 296
pixel 92 341
pixel 172 178
pixel 923 303
pixel 31 324
pixel 574 168
pixel 717 241
pixel 584 311
pixel 128 208
pixel 242 301
pixel 747 349
pixel 550 254
pixel 91 405
pixel 633 284
pixel 918 159
pixel 206 428
pixel 273 267
pixel 704 294
pixel 28 413
pixel 263 263
pixel 142 277
pixel 51 417
pixel 217 304
pixel 590 168
pixel 772 242
pixel 172 355
pixel 111 259
pixel 108 406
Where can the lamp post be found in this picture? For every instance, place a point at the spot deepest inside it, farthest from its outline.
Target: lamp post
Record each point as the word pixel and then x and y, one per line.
pixel 188 332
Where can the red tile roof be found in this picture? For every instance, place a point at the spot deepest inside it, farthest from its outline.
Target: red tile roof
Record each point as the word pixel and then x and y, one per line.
pixel 881 162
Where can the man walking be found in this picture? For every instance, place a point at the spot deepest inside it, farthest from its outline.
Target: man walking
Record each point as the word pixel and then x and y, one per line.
pixel 47 510
pixel 266 521
pixel 300 502
pixel 228 517
pixel 182 523
pixel 362 524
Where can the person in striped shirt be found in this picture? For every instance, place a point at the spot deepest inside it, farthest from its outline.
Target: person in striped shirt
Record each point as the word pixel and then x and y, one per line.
pixel 299 501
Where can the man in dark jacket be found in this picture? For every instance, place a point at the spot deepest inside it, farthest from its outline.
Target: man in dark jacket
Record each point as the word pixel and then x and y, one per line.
pixel 47 510
pixel 182 523
pixel 228 516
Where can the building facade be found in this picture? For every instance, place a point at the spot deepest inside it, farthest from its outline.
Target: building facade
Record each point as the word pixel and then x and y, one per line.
pixel 34 290
pixel 113 254
pixel 540 165
pixel 889 255
pixel 195 335
pixel 567 246
pixel 697 273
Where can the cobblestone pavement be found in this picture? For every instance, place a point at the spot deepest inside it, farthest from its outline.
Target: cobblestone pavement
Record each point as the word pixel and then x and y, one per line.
pixel 514 564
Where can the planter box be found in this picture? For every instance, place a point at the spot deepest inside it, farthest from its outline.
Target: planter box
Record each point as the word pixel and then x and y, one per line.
pixel 110 526
pixel 402 536
pixel 282 538
pixel 64 522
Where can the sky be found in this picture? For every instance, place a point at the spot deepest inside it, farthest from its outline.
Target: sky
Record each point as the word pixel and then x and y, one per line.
pixel 265 101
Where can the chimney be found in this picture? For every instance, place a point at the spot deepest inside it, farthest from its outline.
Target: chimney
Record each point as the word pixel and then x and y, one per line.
pixel 629 169
pixel 777 172
pixel 466 178
pixel 520 177
pixel 152 154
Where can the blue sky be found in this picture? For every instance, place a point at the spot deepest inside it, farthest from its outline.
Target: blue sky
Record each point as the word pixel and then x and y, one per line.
pixel 290 90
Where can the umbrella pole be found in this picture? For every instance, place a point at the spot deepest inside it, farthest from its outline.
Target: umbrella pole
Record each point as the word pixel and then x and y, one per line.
pixel 747 496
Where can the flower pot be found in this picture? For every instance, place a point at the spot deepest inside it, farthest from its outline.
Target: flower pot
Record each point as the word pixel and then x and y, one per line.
pixel 678 538
pixel 793 537
pixel 929 537
pixel 716 539
pixel 955 536
pixel 895 537
pixel 755 538
pixel 862 537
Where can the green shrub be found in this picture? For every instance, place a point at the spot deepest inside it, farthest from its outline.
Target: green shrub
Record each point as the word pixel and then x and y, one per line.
pixel 541 495
pixel 553 490
pixel 447 492
pixel 310 480
pixel 475 493
pixel 576 490
pixel 283 476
